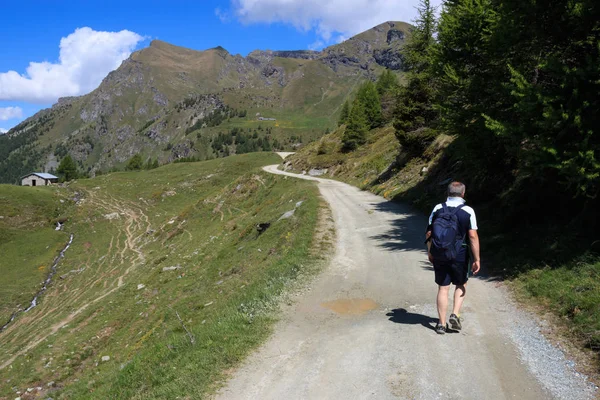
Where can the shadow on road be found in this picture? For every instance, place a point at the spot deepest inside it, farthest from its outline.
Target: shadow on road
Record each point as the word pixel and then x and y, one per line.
pixel 426 265
pixel 407 232
pixel 402 316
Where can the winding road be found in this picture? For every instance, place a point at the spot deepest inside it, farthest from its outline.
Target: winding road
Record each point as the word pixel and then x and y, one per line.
pixel 364 330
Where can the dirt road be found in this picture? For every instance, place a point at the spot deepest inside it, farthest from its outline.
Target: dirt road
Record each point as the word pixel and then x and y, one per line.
pixel 365 329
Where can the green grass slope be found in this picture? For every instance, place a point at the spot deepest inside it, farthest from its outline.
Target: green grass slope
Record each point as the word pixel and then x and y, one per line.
pixel 168 277
pixel 28 243
pixel 371 167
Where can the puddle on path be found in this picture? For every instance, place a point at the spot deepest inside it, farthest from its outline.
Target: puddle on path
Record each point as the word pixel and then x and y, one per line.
pixel 350 306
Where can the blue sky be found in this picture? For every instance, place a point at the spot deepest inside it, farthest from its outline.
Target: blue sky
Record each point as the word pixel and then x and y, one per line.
pixel 34 31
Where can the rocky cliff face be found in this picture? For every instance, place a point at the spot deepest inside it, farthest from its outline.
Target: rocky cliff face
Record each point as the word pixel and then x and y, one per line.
pixel 168 102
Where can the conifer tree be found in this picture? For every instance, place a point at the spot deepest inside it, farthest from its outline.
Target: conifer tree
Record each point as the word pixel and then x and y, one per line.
pixel 357 127
pixel 465 65
pixel 387 88
pixel 418 50
pixel 368 96
pixel 344 114
pixel 415 113
pixel 387 82
pixel 67 168
pixel 542 103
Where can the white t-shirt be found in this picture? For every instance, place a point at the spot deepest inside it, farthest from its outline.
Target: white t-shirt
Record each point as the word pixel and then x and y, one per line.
pixel 455 202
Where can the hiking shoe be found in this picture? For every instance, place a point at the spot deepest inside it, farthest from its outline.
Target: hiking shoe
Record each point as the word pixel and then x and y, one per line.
pixel 440 329
pixel 455 322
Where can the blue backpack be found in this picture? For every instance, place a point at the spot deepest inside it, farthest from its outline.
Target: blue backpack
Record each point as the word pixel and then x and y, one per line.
pixel 445 239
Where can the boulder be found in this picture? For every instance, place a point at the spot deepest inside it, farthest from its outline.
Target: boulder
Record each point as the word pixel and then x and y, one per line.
pixel 287 215
pixel 317 172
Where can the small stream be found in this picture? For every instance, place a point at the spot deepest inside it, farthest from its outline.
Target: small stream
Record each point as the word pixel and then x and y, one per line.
pixel 46 283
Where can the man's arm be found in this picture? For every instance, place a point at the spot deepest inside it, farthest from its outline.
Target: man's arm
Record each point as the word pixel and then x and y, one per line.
pixel 428 242
pixel 474 243
pixel 428 232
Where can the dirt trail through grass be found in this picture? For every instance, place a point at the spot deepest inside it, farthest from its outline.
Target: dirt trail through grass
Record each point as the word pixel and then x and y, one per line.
pixel 136 221
pixel 128 241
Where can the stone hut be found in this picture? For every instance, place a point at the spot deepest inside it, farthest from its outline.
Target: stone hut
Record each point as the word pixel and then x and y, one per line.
pixel 38 179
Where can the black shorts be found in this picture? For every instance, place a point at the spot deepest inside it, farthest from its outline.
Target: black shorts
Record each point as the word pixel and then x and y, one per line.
pixel 456 273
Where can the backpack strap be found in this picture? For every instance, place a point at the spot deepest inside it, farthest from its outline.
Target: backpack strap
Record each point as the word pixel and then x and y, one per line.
pixel 456 209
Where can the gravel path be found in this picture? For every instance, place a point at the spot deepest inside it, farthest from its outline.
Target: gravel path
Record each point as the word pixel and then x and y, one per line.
pixel 365 328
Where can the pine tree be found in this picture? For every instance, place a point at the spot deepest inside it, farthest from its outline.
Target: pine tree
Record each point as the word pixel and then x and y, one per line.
pixel 368 96
pixel 418 50
pixel 546 63
pixel 357 128
pixel 387 82
pixel 387 88
pixel 344 114
pixel 67 168
pixel 415 113
pixel 468 80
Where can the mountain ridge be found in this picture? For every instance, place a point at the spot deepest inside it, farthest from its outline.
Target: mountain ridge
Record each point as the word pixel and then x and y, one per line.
pixel 163 93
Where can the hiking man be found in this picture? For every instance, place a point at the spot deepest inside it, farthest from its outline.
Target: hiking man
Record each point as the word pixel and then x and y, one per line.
pixel 451 226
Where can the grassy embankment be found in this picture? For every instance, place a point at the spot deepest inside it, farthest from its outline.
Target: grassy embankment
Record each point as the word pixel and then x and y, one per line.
pixel 168 277
pixel 541 265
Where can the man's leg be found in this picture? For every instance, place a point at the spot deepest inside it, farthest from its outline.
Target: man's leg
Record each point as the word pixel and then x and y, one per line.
pixel 442 303
pixel 459 297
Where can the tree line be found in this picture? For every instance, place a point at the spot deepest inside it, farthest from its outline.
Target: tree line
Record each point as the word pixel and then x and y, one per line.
pixel 18 153
pixel 519 80
pixel 216 118
pixel 372 108
pixel 237 142
pixel 515 83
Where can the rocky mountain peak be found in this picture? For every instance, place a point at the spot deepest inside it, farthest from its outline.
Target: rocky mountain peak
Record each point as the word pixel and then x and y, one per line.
pixel 167 101
pixel 159 44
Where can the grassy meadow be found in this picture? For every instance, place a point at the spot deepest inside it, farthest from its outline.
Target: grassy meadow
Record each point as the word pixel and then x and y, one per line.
pixel 168 283
pixel 28 242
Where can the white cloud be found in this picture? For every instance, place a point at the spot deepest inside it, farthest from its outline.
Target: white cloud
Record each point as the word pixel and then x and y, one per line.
pixel 223 15
pixel 3 131
pixel 317 45
pixel 86 57
pixel 7 113
pixel 332 20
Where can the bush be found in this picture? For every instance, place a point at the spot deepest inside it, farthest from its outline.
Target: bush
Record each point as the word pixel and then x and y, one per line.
pixel 322 148
pixel 135 163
